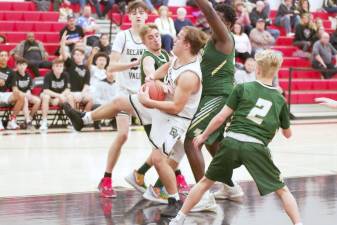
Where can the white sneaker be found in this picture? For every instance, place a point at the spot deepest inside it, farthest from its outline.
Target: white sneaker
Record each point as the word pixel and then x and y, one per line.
pixel 206 204
pixel 44 125
pixel 135 179
pixel 156 195
pixel 178 220
pixel 1 126
pixel 230 193
pixel 12 125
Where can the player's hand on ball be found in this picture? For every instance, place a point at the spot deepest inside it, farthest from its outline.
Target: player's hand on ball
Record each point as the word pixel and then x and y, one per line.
pixel 327 102
pixel 199 140
pixel 144 96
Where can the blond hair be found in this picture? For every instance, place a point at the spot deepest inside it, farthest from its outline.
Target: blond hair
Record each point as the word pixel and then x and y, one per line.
pixel 268 62
pixel 146 28
pixel 196 38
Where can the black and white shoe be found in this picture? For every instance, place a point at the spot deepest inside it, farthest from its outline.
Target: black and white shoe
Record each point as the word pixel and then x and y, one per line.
pixel 172 209
pixel 74 116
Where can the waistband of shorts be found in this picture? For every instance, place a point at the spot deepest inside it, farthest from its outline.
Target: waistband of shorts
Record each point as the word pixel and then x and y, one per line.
pixel 244 137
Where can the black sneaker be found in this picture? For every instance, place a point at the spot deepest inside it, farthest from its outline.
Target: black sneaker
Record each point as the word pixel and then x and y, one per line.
pixel 74 116
pixel 172 209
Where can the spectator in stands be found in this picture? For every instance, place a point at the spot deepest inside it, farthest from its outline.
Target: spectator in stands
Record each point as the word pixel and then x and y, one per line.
pixel 104 45
pixel 260 38
pixel 247 74
pixel 7 96
pixel 166 28
pixel 107 7
pixel 201 22
pixel 323 54
pixel 181 20
pixel 260 12
pixel 81 2
pixel 333 39
pixel 89 26
pixel 330 6
pixel 266 9
pixel 151 4
pixel 103 86
pixel 243 48
pixel 286 17
pixel 55 90
pixel 318 23
pixel 305 34
pixel 74 32
pixel 242 16
pixel 34 52
pixel 23 84
pixel 2 39
pixel 78 76
pixel 303 6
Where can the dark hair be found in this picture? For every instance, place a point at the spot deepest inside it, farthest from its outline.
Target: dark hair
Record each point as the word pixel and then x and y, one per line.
pixel 78 50
pixel 241 28
pixel 101 54
pixel 103 34
pixel 21 60
pixel 227 12
pixel 57 61
pixel 136 4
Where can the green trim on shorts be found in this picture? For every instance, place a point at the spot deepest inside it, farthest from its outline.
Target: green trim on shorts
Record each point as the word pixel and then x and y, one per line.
pixel 255 157
pixel 208 108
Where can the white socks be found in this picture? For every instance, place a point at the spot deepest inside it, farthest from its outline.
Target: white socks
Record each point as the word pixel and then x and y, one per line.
pixel 175 196
pixel 299 224
pixel 87 119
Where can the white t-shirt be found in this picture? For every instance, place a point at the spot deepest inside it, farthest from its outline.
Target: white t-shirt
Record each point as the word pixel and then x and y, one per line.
pixel 241 76
pixel 97 74
pixel 242 43
pixel 130 50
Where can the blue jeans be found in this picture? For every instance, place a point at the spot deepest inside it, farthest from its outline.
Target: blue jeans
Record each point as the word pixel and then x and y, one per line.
pixel 167 42
pixel 286 22
pixel 107 7
pixel 274 32
pixel 331 9
pixel 82 2
pixel 155 3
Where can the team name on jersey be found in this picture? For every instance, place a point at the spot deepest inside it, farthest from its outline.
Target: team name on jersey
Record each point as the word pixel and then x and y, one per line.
pixel 135 51
pixel 3 76
pixel 23 83
pixel 80 72
pixel 57 84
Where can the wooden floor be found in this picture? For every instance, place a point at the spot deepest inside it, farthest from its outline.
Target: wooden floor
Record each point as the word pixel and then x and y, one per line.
pixel 51 178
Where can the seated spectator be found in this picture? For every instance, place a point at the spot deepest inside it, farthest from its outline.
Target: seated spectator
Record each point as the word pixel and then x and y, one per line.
pixel 78 77
pixel 23 84
pixel 89 26
pixel 104 45
pixel 318 24
pixel 303 7
pixel 286 17
pixel 151 4
pixel 166 28
pixel 74 32
pixel 181 20
pixel 247 74
pixel 260 12
pixel 260 38
pixel 107 7
pixel 81 2
pixel 3 39
pixel 103 87
pixel 330 6
pixel 323 54
pixel 243 48
pixel 55 90
pixel 7 96
pixel 333 39
pixel 201 22
pixel 34 52
pixel 305 34
pixel 42 5
pixel 242 16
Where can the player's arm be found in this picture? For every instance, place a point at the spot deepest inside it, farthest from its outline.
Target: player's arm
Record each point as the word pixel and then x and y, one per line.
pixel 148 67
pixel 63 43
pixel 327 102
pixel 161 72
pixel 186 85
pixel 220 32
pixel 215 123
pixel 287 132
pixel 117 66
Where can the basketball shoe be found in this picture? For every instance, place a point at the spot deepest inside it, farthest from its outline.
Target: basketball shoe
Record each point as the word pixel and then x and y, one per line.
pixel 136 180
pixel 230 193
pixel 105 188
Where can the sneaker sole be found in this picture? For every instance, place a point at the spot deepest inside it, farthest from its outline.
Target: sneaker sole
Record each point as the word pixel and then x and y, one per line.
pixel 206 209
pixel 130 180
pixel 149 197
pixel 75 119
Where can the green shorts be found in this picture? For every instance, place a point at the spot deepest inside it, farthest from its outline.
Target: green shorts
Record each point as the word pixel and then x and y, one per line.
pixel 255 157
pixel 208 108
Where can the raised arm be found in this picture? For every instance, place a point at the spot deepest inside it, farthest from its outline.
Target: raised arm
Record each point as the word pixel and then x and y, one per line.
pixel 64 54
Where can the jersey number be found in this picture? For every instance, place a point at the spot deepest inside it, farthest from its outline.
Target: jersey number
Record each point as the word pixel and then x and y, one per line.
pixel 260 110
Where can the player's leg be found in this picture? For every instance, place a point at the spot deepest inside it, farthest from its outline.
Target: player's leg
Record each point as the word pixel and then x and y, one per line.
pixel 18 100
pixel 88 101
pixel 25 109
pixel 44 107
pixel 36 102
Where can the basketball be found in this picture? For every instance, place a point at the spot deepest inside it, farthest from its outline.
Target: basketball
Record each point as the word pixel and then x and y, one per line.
pixel 155 91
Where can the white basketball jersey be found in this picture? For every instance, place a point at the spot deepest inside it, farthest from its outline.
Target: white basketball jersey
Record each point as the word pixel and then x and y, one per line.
pixel 130 51
pixel 171 80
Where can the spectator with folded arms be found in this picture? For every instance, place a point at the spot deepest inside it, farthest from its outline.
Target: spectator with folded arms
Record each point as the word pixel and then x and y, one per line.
pixel 260 38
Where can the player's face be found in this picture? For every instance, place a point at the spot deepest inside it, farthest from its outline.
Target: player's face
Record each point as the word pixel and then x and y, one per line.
pixel 180 45
pixel 3 57
pixel 101 62
pixel 250 66
pixel 22 68
pixel 152 40
pixel 58 69
pixel 138 16
pixel 78 57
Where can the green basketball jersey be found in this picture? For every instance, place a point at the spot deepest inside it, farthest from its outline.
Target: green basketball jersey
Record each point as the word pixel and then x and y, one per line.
pixel 159 61
pixel 217 71
pixel 259 110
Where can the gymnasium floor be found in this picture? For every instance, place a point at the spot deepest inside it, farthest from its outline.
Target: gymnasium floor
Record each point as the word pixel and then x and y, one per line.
pixel 52 179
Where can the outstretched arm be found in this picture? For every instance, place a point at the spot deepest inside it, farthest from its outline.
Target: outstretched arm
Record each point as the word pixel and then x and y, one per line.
pixel 327 102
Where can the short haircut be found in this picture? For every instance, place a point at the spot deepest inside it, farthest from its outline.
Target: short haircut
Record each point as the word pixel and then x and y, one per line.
pixel 196 38
pixel 21 60
pixel 146 28
pixel 269 62
pixel 101 54
pixel 227 12
pixel 57 61
pixel 181 10
pixel 135 5
pixel 78 50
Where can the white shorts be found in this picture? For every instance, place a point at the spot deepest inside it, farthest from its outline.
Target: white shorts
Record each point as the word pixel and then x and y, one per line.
pixel 121 91
pixel 5 97
pixel 167 131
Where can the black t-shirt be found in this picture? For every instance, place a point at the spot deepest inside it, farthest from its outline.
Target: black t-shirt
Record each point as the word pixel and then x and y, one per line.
pixel 56 85
pixel 32 51
pixel 7 75
pixel 78 75
pixel 24 83
pixel 76 34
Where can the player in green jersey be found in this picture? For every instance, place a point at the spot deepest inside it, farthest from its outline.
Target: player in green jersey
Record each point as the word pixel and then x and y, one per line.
pixel 217 68
pixel 258 111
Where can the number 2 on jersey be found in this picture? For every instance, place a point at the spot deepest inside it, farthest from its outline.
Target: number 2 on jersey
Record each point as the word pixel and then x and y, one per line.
pixel 260 110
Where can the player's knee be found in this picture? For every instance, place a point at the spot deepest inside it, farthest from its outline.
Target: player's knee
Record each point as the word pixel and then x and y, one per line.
pixel 122 137
pixel 45 98
pixel 282 191
pixel 157 158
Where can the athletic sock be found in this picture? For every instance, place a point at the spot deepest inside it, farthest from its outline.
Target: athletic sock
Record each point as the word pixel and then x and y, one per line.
pixel 87 119
pixel 177 172
pixel 299 224
pixel 181 215
pixel 107 174
pixel 144 168
pixel 158 183
pixel 174 196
